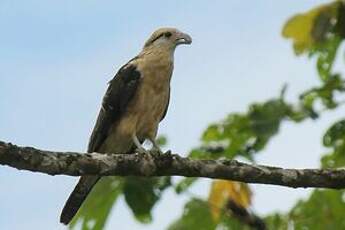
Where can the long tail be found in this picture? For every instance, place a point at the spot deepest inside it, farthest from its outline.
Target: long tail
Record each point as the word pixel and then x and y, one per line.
pixel 77 197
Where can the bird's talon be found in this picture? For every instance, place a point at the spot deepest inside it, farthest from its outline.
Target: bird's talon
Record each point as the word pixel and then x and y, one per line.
pixel 142 151
pixel 157 151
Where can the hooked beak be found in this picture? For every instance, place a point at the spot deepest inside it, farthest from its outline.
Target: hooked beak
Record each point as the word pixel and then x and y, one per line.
pixel 183 38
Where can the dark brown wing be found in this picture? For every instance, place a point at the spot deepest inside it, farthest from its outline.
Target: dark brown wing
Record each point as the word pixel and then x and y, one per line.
pixel 120 91
pixel 166 107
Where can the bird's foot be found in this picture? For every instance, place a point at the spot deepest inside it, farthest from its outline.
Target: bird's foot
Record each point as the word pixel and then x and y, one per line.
pixel 168 152
pixel 157 151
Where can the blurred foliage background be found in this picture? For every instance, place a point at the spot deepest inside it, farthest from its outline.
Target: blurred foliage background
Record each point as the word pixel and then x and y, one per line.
pixel 318 34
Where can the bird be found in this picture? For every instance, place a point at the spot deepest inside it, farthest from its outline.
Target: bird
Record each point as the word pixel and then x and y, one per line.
pixel 135 102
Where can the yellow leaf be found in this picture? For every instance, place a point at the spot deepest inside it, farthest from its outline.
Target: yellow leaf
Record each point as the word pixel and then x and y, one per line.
pixel 224 190
pixel 300 27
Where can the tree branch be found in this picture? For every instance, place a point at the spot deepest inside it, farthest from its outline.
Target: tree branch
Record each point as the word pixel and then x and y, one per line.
pixel 76 164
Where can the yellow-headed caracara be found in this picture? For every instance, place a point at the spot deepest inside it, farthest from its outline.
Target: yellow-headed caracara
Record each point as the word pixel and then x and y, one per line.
pixel 135 102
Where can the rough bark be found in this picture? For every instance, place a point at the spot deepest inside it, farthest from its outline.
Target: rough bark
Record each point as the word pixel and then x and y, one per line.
pixel 77 164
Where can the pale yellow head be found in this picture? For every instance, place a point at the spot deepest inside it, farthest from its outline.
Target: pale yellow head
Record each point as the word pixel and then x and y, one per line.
pixel 167 38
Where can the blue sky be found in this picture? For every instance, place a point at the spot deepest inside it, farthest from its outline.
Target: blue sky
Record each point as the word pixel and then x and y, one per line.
pixel 56 58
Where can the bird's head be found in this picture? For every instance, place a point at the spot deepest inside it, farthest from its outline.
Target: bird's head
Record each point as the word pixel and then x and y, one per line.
pixel 168 38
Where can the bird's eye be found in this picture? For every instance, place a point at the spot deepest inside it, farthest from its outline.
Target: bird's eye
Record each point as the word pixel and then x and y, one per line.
pixel 167 34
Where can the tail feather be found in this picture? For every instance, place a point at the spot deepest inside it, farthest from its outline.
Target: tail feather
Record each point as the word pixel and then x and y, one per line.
pixel 77 197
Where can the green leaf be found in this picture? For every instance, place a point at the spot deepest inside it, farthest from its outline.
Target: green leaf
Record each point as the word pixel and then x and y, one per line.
pixel 162 141
pixel 212 133
pixel 326 53
pixel 277 222
pixel 141 194
pixel 266 118
pixel 324 93
pixel 339 27
pixel 230 223
pixel 334 159
pixel 184 184
pixel 323 210
pixel 335 139
pixel 196 216
pixel 335 135
pixel 245 134
pixel 95 211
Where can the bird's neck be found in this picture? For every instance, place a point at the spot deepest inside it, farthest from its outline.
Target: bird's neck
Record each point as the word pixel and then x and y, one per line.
pixel 160 52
